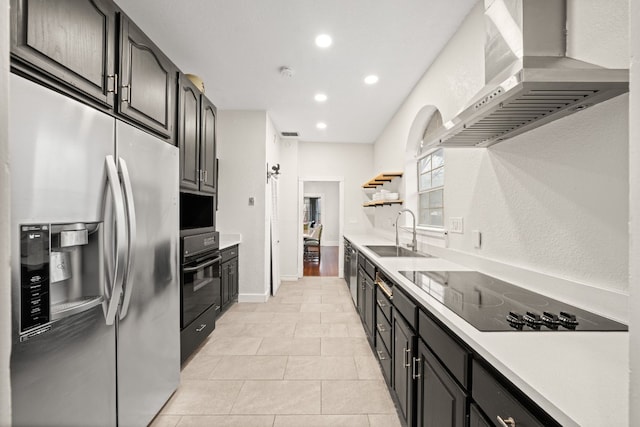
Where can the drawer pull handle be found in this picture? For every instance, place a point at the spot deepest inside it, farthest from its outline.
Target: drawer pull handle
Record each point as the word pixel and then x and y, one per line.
pixel 507 422
pixel 380 327
pixel 380 356
pixel 201 328
pixel 381 304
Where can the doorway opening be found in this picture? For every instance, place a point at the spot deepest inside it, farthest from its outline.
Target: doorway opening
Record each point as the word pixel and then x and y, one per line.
pixel 321 212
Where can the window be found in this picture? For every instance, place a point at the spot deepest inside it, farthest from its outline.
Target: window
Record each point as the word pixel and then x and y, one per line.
pixel 431 189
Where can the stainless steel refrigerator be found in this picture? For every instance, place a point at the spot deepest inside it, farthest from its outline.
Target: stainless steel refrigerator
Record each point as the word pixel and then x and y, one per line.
pixel 94 267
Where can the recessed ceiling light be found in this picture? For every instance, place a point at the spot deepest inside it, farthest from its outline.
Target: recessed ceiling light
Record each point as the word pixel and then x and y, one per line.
pixel 323 40
pixel 372 79
pixel 320 97
pixel 321 125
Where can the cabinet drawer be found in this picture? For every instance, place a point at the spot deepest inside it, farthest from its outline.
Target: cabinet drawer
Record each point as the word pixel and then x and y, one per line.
pixel 197 331
pixel 384 303
pixel 496 401
pixel 384 358
pixel 454 357
pixel 405 306
pixel 229 253
pixel 370 268
pixel 384 328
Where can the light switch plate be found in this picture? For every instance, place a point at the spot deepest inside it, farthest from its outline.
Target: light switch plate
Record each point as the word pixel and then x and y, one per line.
pixel 252 201
pixel 456 225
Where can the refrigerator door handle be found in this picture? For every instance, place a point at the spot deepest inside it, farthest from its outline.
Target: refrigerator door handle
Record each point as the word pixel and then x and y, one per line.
pixel 118 273
pixel 131 224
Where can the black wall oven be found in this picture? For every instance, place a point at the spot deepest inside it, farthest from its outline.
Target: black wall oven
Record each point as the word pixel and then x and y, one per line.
pixel 200 289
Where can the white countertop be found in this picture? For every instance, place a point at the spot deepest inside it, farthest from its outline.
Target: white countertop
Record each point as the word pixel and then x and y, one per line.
pixel 579 378
pixel 229 239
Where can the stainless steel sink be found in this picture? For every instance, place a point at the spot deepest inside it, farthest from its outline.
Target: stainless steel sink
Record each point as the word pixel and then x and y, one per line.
pixel 394 251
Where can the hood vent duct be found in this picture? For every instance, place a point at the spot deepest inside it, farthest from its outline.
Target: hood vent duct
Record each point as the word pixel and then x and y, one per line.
pixel 529 80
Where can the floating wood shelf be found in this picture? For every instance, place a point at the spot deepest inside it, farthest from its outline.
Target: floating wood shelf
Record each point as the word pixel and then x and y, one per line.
pixel 376 203
pixel 381 179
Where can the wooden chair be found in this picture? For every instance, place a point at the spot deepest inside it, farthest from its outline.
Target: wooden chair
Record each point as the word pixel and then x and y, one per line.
pixel 312 245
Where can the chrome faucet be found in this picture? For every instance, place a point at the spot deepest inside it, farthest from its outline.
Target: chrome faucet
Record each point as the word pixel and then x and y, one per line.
pixel 414 242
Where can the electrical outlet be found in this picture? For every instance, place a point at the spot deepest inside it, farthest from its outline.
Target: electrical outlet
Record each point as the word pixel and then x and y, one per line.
pixel 456 225
pixel 252 201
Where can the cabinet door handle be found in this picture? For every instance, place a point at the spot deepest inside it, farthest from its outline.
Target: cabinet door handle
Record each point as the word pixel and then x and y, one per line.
pixel 380 327
pixel 206 175
pixel 507 422
pixel 381 304
pixel 113 87
pixel 126 98
pixel 415 374
pixel 405 356
pixel 380 356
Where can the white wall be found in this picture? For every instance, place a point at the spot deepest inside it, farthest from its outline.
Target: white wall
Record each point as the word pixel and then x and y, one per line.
pixel 349 161
pixel 330 209
pixel 634 223
pixel 242 174
pixel 5 288
pixel 553 200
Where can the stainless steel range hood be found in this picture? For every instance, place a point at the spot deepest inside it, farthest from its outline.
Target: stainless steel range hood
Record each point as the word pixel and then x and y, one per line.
pixel 529 80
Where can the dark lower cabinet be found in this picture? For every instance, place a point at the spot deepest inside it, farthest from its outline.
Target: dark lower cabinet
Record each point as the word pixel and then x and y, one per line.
pixel 366 302
pixel 435 378
pixel 404 341
pixel 71 43
pixel 476 418
pixel 441 402
pixel 229 276
pixel 147 93
pixel 498 402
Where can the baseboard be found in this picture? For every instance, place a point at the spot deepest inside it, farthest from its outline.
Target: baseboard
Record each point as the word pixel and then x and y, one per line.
pixel 288 278
pixel 253 297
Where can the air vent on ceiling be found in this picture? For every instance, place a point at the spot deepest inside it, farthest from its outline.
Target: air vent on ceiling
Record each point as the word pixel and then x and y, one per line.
pixel 289 134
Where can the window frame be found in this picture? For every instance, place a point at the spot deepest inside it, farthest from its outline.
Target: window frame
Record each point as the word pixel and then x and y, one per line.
pixel 420 191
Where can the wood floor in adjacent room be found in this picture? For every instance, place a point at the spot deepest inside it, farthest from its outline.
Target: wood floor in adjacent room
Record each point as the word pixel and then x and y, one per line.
pixel 327 266
pixel 300 359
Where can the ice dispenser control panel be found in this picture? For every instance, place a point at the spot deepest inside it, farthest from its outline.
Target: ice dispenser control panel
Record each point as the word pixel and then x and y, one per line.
pixel 34 276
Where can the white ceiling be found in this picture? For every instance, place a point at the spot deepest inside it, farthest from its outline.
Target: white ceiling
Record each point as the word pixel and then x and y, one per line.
pixel 238 46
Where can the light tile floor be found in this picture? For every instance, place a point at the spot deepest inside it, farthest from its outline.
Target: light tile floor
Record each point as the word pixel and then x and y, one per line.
pixel 300 359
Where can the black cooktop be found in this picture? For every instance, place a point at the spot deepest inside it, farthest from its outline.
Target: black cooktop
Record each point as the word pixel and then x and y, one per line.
pixel 490 304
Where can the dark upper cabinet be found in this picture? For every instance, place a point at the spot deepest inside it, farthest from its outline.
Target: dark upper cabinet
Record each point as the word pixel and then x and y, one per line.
pixel 147 92
pixel 208 147
pixel 441 402
pixel 189 134
pixel 404 339
pixel 196 139
pixel 71 42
